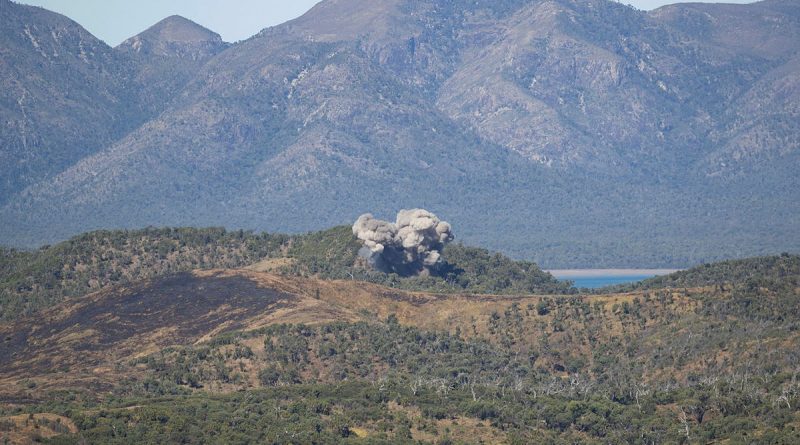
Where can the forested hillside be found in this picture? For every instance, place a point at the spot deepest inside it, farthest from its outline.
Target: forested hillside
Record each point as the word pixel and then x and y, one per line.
pixel 770 271
pixel 32 280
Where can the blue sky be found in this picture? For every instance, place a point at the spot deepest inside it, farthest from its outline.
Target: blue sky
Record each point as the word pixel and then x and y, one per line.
pixel 115 20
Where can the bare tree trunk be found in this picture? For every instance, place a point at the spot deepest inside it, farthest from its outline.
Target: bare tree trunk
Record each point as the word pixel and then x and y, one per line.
pixel 685 422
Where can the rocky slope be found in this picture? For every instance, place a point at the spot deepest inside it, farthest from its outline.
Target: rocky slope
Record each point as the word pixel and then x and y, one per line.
pixel 66 94
pixel 560 126
pixel 61 93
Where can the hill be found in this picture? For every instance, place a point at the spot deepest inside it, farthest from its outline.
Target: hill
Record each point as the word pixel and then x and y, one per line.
pixel 769 271
pixel 238 355
pixel 33 280
pixel 547 130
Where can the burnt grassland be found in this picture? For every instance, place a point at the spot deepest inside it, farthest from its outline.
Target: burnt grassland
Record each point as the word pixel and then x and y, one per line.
pixel 305 360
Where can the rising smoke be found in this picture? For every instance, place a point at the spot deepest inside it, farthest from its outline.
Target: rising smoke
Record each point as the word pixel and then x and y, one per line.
pixel 409 246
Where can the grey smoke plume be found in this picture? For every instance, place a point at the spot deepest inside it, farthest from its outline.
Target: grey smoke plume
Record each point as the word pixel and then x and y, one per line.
pixel 409 246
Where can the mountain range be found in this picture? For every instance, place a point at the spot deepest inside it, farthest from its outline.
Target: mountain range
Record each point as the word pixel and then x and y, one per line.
pixel 573 133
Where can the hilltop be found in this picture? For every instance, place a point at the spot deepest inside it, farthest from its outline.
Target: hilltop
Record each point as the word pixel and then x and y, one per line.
pixel 768 271
pixel 33 280
pixel 675 129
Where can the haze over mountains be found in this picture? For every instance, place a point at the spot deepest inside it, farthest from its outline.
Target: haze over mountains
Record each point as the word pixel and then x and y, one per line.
pixel 574 133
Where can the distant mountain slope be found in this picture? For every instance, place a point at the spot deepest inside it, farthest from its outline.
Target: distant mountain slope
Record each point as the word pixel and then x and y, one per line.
pixel 60 95
pixel 165 57
pixel 549 129
pixel 757 124
pixel 66 94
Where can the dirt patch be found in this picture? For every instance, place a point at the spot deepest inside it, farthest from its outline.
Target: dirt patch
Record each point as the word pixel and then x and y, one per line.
pixel 271 264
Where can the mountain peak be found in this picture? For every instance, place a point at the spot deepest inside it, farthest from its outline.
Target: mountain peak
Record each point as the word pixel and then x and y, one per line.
pixel 176 28
pixel 175 36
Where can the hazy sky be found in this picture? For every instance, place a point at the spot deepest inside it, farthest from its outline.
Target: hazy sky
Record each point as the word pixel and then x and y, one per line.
pixel 115 20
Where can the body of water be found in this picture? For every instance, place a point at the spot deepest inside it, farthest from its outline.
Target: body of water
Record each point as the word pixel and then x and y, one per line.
pixel 595 278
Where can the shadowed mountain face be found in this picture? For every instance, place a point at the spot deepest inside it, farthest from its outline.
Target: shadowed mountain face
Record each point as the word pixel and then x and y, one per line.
pixel 557 126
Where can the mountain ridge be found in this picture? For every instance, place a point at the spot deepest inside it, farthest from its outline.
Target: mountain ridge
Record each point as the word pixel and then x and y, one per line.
pixel 531 109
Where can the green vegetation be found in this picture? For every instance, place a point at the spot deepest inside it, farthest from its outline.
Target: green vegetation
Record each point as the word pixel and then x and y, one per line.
pixel 333 254
pixel 392 411
pixel 767 271
pixel 32 280
pixel 382 382
pixel 38 279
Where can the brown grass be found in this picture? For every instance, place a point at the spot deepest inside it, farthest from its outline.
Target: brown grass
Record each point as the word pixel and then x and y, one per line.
pixel 89 337
pixel 27 429
pixel 271 264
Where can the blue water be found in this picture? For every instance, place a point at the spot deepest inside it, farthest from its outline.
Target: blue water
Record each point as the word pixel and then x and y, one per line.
pixel 595 282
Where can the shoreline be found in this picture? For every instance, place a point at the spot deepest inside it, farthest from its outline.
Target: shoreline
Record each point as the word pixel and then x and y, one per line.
pixel 597 273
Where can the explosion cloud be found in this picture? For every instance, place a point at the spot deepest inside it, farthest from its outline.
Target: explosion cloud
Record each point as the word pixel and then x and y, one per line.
pixel 409 246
